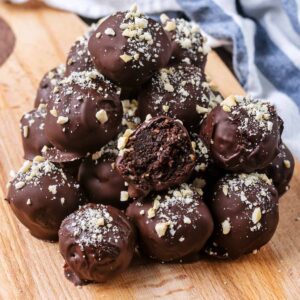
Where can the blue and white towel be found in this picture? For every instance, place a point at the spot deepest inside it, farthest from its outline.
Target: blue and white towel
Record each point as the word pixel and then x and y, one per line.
pixel 264 37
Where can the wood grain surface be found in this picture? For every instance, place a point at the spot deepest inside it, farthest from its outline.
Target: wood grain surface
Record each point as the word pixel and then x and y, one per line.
pixel 32 269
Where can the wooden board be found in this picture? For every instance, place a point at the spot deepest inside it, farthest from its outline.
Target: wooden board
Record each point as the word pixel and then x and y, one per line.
pixel 32 269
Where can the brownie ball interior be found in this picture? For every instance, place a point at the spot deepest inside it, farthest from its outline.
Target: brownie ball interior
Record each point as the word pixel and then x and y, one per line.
pixel 173 224
pixel 128 47
pixel 156 156
pixel 41 195
pixel 245 212
pixel 180 92
pixel 242 133
pixel 97 243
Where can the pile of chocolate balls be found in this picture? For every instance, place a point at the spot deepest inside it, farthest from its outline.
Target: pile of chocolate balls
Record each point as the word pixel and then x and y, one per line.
pixel 130 151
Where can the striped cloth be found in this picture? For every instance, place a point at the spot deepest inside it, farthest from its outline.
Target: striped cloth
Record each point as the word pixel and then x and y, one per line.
pixel 263 36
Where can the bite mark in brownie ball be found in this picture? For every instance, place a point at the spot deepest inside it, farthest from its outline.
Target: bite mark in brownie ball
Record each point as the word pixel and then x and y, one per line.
pixel 179 92
pixel 33 132
pixel 100 179
pixel 47 83
pixel 245 213
pixel 156 156
pixel 97 243
pixel 242 133
pixel 128 47
pixel 281 169
pixel 173 224
pixel 84 113
pixel 41 195
pixel 188 44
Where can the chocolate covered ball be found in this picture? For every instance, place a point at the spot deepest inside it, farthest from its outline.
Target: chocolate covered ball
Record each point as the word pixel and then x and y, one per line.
pixel 47 83
pixel 41 195
pixel 187 43
pixel 172 225
pixel 128 47
pixel 281 169
pixel 84 114
pixel 179 92
pixel 79 58
pixel 97 243
pixel 243 134
pixel 156 156
pixel 100 179
pixel 245 213
pixel 33 134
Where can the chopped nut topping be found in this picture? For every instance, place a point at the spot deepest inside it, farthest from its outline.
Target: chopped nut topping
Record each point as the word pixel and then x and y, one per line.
pixel 25 131
pixel 124 196
pixel 170 26
pixel 53 112
pixel 161 228
pixel 287 164
pixel 225 189
pixel 28 202
pixel 165 108
pixel 19 185
pixel 126 58
pixel 201 110
pixel 62 120
pixel 256 215
pixel 109 31
pixel 101 116
pixel 98 35
pixel 151 213
pixel 164 18
pixel 226 227
pixel 187 220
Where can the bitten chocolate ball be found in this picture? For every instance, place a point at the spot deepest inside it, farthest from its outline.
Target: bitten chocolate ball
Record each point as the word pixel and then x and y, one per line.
pixel 97 243
pixel 281 169
pixel 156 156
pixel 41 195
pixel 100 179
pixel 245 213
pixel 84 113
pixel 129 47
pixel 172 225
pixel 243 134
pixel 49 80
pixel 187 43
pixel 33 134
pixel 179 92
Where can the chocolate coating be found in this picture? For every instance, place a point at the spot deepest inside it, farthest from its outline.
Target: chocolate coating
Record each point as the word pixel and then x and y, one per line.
pixel 281 169
pixel 100 179
pixel 243 134
pixel 47 83
pixel 179 92
pixel 79 58
pixel 97 243
pixel 245 212
pixel 158 155
pixel 33 135
pixel 84 113
pixel 187 43
pixel 172 225
pixel 41 195
pixel 129 47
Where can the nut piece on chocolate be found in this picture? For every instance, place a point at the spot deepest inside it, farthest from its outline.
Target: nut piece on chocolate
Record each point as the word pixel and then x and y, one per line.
pixel 172 225
pixel 41 195
pixel 84 113
pixel 281 169
pixel 100 179
pixel 97 243
pixel 156 156
pixel 32 126
pixel 245 212
pixel 242 133
pixel 128 47
pixel 188 44
pixel 47 83
pixel 179 92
